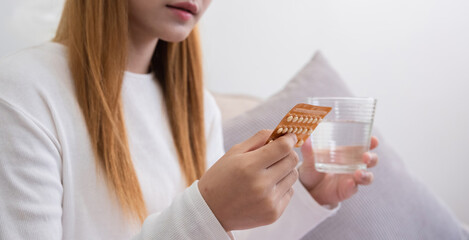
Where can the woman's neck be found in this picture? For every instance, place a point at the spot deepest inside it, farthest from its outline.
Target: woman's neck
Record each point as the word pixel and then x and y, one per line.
pixel 140 52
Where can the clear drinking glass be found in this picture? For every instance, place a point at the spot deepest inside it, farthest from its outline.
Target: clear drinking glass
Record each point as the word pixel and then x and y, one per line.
pixel 342 137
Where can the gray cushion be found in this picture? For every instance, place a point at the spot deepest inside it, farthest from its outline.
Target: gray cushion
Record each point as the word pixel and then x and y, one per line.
pixel 395 206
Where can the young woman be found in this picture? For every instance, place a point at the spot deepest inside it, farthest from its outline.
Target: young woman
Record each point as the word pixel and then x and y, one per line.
pixel 106 130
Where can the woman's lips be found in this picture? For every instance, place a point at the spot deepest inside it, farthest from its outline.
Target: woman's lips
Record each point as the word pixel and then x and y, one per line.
pixel 183 15
pixel 184 10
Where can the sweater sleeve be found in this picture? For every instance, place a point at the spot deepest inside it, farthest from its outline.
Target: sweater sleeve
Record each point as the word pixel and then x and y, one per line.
pixel 31 189
pixel 30 178
pixel 188 217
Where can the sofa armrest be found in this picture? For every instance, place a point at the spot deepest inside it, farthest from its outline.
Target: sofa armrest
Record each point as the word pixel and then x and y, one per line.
pixel 232 105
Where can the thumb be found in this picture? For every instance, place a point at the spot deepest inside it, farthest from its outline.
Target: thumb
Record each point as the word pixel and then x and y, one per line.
pixel 307 152
pixel 253 143
pixel 308 174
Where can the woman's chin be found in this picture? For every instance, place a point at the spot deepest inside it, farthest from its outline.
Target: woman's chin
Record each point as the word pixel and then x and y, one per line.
pixel 175 37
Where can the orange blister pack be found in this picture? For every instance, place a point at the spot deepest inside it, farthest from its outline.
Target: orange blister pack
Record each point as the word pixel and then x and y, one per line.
pixel 301 120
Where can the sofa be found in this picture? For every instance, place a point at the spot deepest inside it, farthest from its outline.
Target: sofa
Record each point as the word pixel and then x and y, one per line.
pixel 395 206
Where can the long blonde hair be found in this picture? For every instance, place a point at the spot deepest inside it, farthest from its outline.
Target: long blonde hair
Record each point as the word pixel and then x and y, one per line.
pixel 96 33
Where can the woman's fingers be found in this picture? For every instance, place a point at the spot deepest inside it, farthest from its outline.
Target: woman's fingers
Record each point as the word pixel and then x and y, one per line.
pixel 252 143
pixel 284 185
pixel 350 187
pixel 285 200
pixel 283 167
pixel 374 142
pixel 274 151
pixel 370 159
pixel 363 177
pixel 348 184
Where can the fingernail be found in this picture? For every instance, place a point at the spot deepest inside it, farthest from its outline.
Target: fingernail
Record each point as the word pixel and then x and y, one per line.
pixel 366 175
pixel 369 157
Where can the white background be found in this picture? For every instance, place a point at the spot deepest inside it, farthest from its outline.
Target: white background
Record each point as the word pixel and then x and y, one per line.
pixel 413 55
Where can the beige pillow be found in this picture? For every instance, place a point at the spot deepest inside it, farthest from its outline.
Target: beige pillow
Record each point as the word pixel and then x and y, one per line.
pixel 232 105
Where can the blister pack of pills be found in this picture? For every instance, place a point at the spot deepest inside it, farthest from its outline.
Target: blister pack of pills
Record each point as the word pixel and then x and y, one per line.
pixel 301 120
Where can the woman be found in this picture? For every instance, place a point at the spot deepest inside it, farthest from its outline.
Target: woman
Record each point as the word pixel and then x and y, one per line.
pixel 106 130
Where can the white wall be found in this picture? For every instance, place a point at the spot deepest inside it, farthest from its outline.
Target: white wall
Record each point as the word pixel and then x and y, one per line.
pixel 410 54
pixel 413 55
pixel 27 22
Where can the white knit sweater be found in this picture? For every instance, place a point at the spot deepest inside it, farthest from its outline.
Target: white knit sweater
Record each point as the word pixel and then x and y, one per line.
pixel 50 187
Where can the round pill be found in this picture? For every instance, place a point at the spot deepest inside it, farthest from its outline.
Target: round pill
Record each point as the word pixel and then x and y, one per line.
pixel 295 119
pixel 290 130
pixel 279 130
pixel 310 131
pixel 285 130
pixel 310 120
pixel 289 118
pixel 300 120
pixel 306 120
pixel 300 143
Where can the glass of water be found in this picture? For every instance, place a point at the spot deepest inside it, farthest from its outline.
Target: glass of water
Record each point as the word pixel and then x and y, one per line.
pixel 343 136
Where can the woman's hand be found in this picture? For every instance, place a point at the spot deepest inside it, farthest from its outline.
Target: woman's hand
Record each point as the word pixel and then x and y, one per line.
pixel 251 185
pixel 330 189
